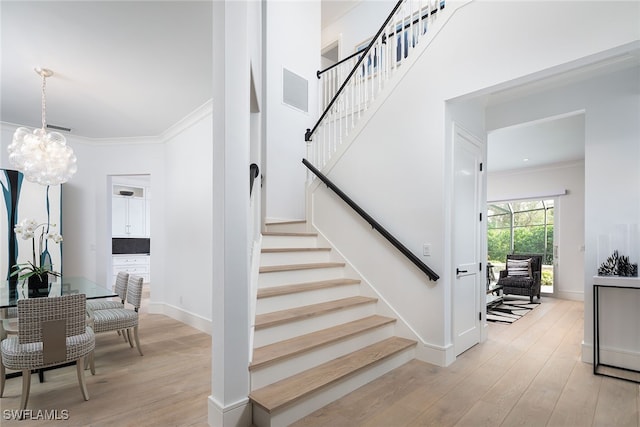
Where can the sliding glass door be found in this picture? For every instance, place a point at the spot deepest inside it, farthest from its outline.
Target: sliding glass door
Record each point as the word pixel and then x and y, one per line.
pixel 522 227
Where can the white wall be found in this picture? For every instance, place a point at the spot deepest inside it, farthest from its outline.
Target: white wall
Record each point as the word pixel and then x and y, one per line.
pixel 187 209
pixel 399 167
pixel 293 42
pixel 568 215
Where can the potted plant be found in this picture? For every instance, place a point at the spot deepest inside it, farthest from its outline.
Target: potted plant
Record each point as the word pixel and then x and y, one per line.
pixel 36 272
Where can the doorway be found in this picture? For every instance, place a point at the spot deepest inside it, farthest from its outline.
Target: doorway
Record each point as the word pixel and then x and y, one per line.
pixel 129 226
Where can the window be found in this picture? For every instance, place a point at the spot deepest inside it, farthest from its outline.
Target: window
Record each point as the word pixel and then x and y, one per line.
pixel 524 227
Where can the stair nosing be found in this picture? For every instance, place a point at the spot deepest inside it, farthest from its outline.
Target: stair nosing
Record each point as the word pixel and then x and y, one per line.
pixel 295 221
pixel 309 311
pixel 321 381
pixel 324 337
pixel 289 234
pixel 294 288
pixel 296 267
pixel 292 249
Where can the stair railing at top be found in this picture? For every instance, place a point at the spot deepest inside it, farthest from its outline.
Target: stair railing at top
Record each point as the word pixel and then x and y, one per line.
pixel 374 224
pixel 350 86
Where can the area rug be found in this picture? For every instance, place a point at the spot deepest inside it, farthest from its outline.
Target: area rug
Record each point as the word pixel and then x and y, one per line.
pixel 510 310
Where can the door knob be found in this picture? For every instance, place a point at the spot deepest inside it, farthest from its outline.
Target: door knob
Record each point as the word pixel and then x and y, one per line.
pixel 458 271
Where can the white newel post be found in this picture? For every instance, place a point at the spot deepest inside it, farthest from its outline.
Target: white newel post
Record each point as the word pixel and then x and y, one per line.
pixel 228 403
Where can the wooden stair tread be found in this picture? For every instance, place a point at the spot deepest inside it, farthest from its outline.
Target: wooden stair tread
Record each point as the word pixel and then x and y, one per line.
pixel 293 267
pixel 303 287
pixel 284 250
pixel 298 313
pixel 288 234
pixel 282 350
pixel 294 221
pixel 296 387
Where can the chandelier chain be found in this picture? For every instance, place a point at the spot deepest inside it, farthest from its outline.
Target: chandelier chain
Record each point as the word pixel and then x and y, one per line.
pixel 44 102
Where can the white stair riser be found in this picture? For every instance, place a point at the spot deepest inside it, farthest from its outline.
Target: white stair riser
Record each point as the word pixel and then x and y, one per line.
pixel 289 241
pixel 311 324
pixel 294 257
pixel 296 227
pixel 262 377
pixel 299 276
pixel 284 302
pixel 304 407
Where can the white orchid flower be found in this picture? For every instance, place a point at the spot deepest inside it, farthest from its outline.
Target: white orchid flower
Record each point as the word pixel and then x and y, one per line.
pixel 29 224
pixel 27 234
pixel 56 237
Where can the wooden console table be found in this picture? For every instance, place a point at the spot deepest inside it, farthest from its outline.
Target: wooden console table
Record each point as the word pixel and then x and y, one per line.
pixel 630 283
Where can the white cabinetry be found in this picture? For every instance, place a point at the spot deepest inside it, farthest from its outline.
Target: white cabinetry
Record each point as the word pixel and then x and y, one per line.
pixel 138 265
pixel 129 213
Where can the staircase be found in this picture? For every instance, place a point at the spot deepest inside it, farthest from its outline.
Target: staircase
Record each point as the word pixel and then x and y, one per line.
pixel 317 337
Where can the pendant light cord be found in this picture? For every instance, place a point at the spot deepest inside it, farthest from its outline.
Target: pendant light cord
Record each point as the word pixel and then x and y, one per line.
pixel 44 102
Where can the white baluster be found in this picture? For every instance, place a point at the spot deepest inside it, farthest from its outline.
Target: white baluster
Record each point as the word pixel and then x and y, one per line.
pixel 379 62
pixel 352 84
pixel 411 35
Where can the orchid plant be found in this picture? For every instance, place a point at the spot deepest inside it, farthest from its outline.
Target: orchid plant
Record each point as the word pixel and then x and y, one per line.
pixel 40 266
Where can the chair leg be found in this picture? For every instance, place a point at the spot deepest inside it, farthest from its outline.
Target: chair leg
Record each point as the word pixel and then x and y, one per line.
pixel 135 335
pixel 26 387
pixel 128 334
pixel 80 371
pixel 531 299
pixel 2 378
pixel 89 363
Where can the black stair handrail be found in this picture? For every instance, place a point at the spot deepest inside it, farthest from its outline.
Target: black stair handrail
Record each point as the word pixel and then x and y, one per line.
pixel 254 171
pixel 309 132
pixel 422 17
pixel 374 224
pixel 332 66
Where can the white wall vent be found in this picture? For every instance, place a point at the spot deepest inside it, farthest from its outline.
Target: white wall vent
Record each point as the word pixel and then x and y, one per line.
pixel 295 90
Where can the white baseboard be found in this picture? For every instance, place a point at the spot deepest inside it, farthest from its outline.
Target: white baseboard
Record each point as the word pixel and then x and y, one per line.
pixel 435 355
pixel 570 295
pixel 235 415
pixel 191 319
pixel 612 356
pixel 587 353
pixel 621 358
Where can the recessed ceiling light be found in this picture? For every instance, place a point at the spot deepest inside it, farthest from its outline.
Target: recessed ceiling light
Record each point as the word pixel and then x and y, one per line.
pixel 525 160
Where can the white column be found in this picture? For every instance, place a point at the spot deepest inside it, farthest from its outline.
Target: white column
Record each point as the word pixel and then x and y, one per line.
pixel 228 403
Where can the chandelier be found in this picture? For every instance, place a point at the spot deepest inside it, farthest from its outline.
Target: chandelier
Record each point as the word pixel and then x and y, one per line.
pixel 43 157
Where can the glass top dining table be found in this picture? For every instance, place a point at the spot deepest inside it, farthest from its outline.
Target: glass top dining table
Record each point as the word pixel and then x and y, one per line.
pixel 65 285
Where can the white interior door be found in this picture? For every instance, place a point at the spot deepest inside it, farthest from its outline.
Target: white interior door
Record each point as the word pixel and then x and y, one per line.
pixel 466 241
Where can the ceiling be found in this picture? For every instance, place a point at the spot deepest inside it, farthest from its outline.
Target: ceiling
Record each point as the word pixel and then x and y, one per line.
pixel 122 68
pixel 334 9
pixel 536 144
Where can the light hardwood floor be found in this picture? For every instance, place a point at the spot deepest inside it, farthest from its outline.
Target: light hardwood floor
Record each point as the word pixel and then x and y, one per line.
pixel 528 373
pixel 168 386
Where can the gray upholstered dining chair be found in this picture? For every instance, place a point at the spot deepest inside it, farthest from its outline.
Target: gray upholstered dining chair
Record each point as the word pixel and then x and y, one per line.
pixel 119 288
pixel 51 331
pixel 121 319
